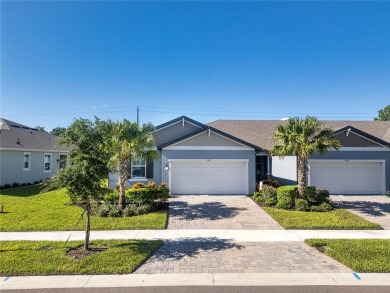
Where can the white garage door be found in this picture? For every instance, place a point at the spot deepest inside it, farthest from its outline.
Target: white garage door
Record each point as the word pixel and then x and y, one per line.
pixel 347 177
pixel 209 177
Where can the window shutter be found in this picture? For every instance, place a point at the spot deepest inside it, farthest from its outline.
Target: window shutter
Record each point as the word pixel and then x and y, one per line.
pixel 129 171
pixel 149 168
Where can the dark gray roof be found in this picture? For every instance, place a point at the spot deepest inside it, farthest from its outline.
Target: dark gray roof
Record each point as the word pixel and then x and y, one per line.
pixel 260 132
pixel 17 136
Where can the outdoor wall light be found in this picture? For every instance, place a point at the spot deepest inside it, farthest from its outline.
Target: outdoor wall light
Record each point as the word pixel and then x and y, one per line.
pixel 166 168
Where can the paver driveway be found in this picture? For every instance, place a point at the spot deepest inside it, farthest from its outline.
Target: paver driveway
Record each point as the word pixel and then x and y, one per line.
pixel 217 212
pixel 222 256
pixel 374 208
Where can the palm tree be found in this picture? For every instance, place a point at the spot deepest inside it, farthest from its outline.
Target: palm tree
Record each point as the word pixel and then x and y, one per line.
pixel 127 141
pixel 302 138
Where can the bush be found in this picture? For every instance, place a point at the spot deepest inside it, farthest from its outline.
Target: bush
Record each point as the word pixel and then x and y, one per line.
pixel 270 182
pixel 258 197
pixel 323 196
pixel 324 207
pixel 23 184
pixel 6 186
pixel 301 205
pixel 286 197
pixel 147 196
pixel 111 197
pixel 15 184
pixel 36 182
pixel 310 194
pixel 138 185
pixel 114 211
pixel 269 195
pixel 151 184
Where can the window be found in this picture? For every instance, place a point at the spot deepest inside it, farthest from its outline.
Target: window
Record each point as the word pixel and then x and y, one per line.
pixel 27 162
pixel 138 168
pixel 47 162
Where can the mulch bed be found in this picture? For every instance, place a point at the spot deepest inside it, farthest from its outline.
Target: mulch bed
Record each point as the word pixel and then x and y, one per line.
pixel 80 252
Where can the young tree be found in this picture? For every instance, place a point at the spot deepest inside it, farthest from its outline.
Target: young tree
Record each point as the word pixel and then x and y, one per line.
pixel 127 141
pixel 40 128
pixel 303 137
pixel 383 114
pixel 88 166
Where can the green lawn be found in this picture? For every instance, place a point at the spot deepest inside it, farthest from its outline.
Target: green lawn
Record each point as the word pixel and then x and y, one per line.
pixel 25 209
pixel 361 255
pixel 49 258
pixel 339 219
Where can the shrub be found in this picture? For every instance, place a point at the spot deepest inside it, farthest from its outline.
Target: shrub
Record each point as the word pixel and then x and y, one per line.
pixel 324 207
pixel 15 184
pixel 114 211
pixel 286 197
pixel 323 196
pixel 6 186
pixel 163 185
pixel 23 184
pixel 147 196
pixel 151 184
pixel 269 195
pixel 310 193
pixel 301 204
pixel 270 182
pixel 138 185
pixel 258 197
pixel 36 182
pixel 111 197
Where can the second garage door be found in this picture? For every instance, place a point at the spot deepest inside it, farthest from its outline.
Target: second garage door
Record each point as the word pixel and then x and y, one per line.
pixel 209 177
pixel 347 177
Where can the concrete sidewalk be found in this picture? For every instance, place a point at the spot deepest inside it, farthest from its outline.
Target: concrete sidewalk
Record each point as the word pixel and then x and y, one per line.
pixel 187 235
pixel 142 280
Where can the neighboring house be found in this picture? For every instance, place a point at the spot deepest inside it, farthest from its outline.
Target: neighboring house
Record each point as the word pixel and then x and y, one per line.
pixel 232 156
pixel 28 155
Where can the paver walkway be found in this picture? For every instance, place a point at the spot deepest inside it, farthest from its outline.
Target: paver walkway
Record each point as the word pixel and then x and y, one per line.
pixel 374 208
pixel 218 256
pixel 218 212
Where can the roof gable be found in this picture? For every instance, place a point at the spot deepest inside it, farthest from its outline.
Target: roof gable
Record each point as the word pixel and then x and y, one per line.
pixel 175 129
pixel 208 138
pixel 352 137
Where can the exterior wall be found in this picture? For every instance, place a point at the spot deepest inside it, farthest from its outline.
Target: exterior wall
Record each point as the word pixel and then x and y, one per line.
pixel 11 166
pixel 173 132
pixel 360 155
pixel 203 139
pixel 199 154
pixel 285 170
pixel 113 177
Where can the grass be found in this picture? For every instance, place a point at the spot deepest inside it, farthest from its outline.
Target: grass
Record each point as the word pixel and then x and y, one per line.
pixel 19 258
pixel 361 255
pixel 339 219
pixel 26 209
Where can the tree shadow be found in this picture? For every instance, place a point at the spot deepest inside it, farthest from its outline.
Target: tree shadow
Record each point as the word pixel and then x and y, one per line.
pixel 23 191
pixel 370 208
pixel 207 211
pixel 176 250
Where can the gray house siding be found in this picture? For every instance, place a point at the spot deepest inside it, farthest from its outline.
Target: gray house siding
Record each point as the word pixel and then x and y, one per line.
pixel 359 155
pixel 11 166
pixel 173 132
pixel 209 154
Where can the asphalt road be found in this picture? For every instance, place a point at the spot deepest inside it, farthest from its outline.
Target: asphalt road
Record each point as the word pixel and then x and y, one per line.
pixel 219 289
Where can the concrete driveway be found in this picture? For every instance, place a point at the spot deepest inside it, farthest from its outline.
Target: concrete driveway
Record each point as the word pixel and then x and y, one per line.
pixel 374 208
pixel 218 212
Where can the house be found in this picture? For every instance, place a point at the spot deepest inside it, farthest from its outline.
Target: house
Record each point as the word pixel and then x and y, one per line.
pixel 28 155
pixel 232 156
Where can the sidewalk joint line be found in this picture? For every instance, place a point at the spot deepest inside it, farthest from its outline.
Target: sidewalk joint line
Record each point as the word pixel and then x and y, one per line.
pixel 86 283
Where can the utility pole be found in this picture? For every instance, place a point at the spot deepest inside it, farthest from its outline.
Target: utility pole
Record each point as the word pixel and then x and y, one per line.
pixel 138 115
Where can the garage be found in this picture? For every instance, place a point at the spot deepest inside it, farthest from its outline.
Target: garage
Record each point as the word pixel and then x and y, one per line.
pixel 347 177
pixel 224 177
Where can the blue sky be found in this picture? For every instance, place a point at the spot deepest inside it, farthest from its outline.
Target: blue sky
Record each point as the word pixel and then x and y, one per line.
pixel 207 60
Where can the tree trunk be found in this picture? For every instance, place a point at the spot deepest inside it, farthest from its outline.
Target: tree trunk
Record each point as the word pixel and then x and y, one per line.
pixel 301 176
pixel 87 226
pixel 123 174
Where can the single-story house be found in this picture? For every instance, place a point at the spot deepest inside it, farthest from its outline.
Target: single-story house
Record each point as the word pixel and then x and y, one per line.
pixel 28 155
pixel 232 156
